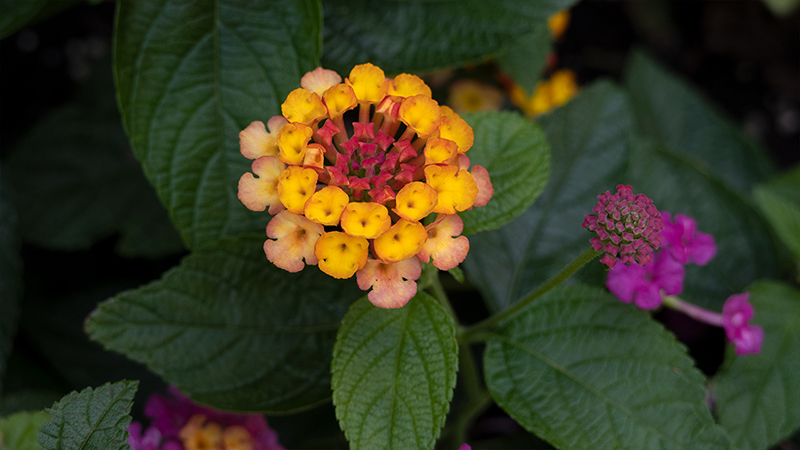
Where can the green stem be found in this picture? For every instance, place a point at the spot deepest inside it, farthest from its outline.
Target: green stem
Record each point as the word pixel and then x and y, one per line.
pixel 478 399
pixel 430 280
pixel 587 255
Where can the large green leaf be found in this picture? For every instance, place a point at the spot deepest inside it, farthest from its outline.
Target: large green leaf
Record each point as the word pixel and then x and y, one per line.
pixel 10 275
pixel 21 430
pixel 423 35
pixel 232 330
pixel 669 111
pixel 517 156
pixel 78 183
pixel 94 419
pixel 190 76
pixel 758 396
pixel 525 60
pixel 779 200
pixel 585 371
pixel 588 141
pixel 678 185
pixel 393 374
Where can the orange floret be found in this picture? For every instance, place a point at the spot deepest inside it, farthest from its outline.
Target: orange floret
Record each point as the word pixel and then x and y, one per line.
pixel 302 106
pixel 420 113
pixel 338 99
pixel 295 186
pixel 292 142
pixel 456 129
pixel 393 284
pixel 403 240
pixel 368 220
pixel 415 201
pixel 198 435
pixel 295 237
pixel 326 205
pixel 406 85
pixel 258 193
pixel 341 255
pixel 255 141
pixel 315 157
pixel 557 23
pixel 320 80
pixel 442 245
pixel 237 437
pixel 440 150
pixel 368 82
pixel 456 187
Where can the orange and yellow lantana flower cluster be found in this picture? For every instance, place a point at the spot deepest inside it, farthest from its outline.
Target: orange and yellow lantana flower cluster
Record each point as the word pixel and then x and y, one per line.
pixel 364 177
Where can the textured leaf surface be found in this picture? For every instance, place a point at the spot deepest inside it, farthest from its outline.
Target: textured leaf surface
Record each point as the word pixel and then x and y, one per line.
pixel 21 430
pixel 588 141
pixel 190 76
pixel 77 182
pixel 678 185
pixel 232 330
pixel 758 396
pixel 669 111
pixel 526 59
pixel 424 35
pixel 92 419
pixel 517 156
pixel 779 200
pixel 10 275
pixel 393 374
pixel 584 371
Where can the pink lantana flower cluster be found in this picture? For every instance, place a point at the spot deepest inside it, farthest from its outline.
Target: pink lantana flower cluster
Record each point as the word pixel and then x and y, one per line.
pixel 177 423
pixel 660 281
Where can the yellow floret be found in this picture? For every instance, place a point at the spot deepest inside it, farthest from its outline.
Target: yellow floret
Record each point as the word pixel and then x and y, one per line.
pixel 326 205
pixel 338 99
pixel 292 142
pixel 456 187
pixel 368 82
pixel 415 201
pixel 304 107
pixel 341 255
pixel 456 129
pixel 406 85
pixel 295 186
pixel 420 113
pixel 440 150
pixel 403 240
pixel 368 220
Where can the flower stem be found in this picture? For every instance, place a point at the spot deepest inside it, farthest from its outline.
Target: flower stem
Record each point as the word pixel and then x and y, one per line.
pixel 693 311
pixel 478 398
pixel 587 255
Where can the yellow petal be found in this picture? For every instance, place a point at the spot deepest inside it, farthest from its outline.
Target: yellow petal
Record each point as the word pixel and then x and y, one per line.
pixel 368 219
pixel 406 85
pixel 368 82
pixel 304 107
pixel 403 240
pixel 456 187
pixel 338 99
pixel 292 142
pixel 440 150
pixel 415 201
pixel 295 186
pixel 456 129
pixel 341 255
pixel 326 205
pixel 420 113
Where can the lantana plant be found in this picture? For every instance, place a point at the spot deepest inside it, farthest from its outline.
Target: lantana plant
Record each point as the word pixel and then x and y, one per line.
pixel 498 270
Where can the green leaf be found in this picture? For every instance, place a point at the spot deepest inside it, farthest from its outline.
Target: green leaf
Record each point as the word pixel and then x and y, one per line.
pixel 526 59
pixel 585 371
pixel 190 76
pixel 20 431
pixel 16 14
pixel 669 111
pixel 588 141
pixel 678 185
pixel 393 374
pixel 92 419
pixel 517 156
pixel 757 396
pixel 78 183
pixel 232 330
pixel 10 274
pixel 779 200
pixel 424 35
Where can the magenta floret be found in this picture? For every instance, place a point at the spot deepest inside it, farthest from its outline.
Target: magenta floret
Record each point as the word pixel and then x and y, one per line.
pixel 628 227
